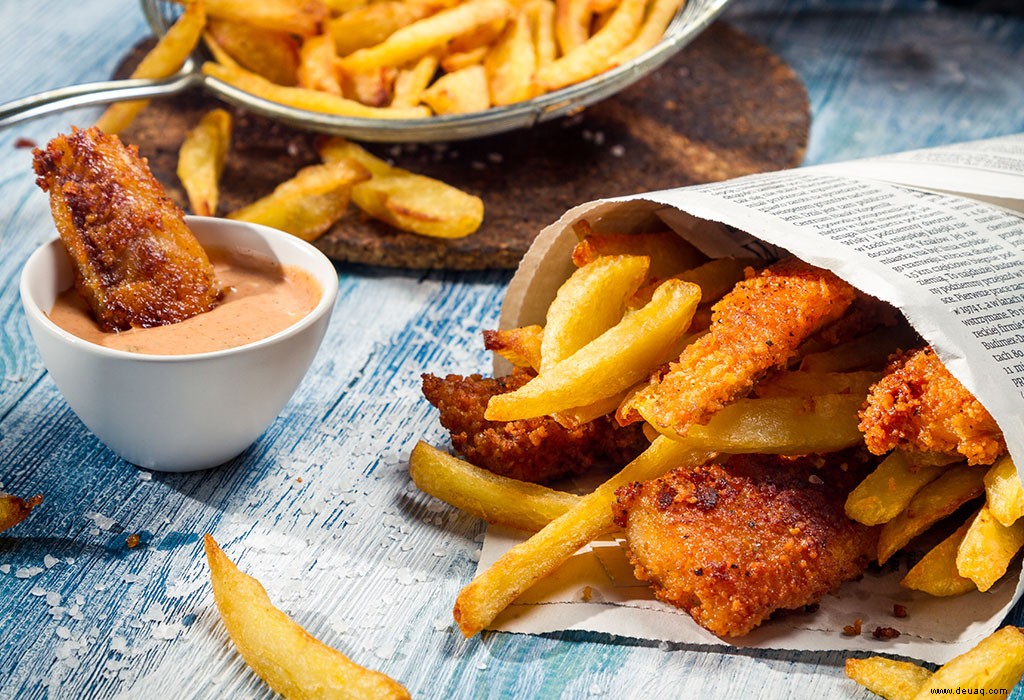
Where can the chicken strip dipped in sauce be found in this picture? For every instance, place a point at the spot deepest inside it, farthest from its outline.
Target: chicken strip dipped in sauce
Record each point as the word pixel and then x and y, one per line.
pixel 534 449
pixel 754 328
pixel 919 405
pixel 732 543
pixel 136 262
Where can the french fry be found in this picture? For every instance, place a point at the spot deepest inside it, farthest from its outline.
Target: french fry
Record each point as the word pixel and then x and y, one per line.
pixel 309 203
pixel 423 36
pixel 497 499
pixel 594 55
pixel 955 487
pixel 510 63
pixel 542 22
pixel 520 346
pixel 519 568
pixel 987 548
pixel 1003 491
pixel 572 418
pixel 302 17
pixel 868 351
pixel 715 278
pixel 338 7
pixel 291 661
pixel 300 98
pixel 266 52
pixel 201 161
pixel 373 88
pixel 164 59
pixel 611 363
pixel 996 663
pixel 316 65
pixel 411 82
pixel 812 383
pixel 572 23
pixel 461 91
pixel 406 200
pixel 454 62
pixel 371 24
pixel 887 491
pixel 936 573
pixel 659 14
pixel 669 254
pixel 891 679
pixel 590 302
pixel 13 509
pixel 782 425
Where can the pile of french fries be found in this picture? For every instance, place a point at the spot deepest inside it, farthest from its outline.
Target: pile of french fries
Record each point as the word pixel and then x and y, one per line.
pixel 318 196
pixel 398 59
pixel 907 494
pixel 633 303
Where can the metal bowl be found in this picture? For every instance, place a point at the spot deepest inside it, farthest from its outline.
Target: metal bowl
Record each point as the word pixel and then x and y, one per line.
pixel 690 21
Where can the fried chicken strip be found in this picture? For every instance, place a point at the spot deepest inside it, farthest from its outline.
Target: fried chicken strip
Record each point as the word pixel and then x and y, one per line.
pixel 136 262
pixel 918 405
pixel 754 328
pixel 535 449
pixel 732 543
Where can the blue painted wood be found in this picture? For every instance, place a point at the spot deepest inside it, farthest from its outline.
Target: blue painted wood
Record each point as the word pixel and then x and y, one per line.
pixel 321 507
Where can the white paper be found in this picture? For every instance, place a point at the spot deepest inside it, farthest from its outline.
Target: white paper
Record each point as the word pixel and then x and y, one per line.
pixel 953 263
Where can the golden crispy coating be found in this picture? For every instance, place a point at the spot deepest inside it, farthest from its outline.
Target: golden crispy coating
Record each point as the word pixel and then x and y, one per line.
pixel 136 262
pixel 919 405
pixel 754 328
pixel 535 449
pixel 730 544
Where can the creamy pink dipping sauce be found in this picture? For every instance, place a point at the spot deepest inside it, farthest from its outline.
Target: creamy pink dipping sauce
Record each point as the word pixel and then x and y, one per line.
pixel 260 298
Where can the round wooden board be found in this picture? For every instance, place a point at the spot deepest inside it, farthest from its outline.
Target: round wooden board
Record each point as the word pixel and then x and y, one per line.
pixel 724 107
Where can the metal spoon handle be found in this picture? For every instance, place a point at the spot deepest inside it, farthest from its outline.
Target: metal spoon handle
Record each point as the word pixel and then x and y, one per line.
pixel 88 94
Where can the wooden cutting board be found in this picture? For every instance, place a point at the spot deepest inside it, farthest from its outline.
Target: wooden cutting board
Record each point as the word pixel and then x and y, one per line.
pixel 723 107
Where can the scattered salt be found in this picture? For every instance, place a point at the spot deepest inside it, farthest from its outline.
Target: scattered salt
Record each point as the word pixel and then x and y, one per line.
pixel 5 568
pixel 28 572
pixel 595 689
pixel 63 632
pixel 154 613
pixel 102 521
pixel 385 651
pixel 145 476
pixel 50 561
pixel 167 631
pixel 618 150
pixel 119 644
pixel 53 598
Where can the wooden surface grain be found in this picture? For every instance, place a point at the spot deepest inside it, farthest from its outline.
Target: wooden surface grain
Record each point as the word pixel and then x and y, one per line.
pixel 321 508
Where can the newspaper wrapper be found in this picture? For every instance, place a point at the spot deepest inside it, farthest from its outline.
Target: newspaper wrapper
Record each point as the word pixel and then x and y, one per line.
pixel 939 233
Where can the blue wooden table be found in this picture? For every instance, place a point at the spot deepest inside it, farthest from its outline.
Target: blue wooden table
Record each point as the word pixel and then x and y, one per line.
pixel 321 508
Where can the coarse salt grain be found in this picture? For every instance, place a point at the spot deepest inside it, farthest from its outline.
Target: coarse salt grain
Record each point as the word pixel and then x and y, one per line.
pixel 102 521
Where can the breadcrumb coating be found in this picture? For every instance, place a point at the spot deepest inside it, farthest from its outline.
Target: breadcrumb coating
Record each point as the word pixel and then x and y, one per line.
pixel 918 405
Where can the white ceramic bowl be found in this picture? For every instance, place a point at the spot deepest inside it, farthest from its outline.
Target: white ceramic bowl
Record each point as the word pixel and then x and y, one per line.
pixel 180 412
